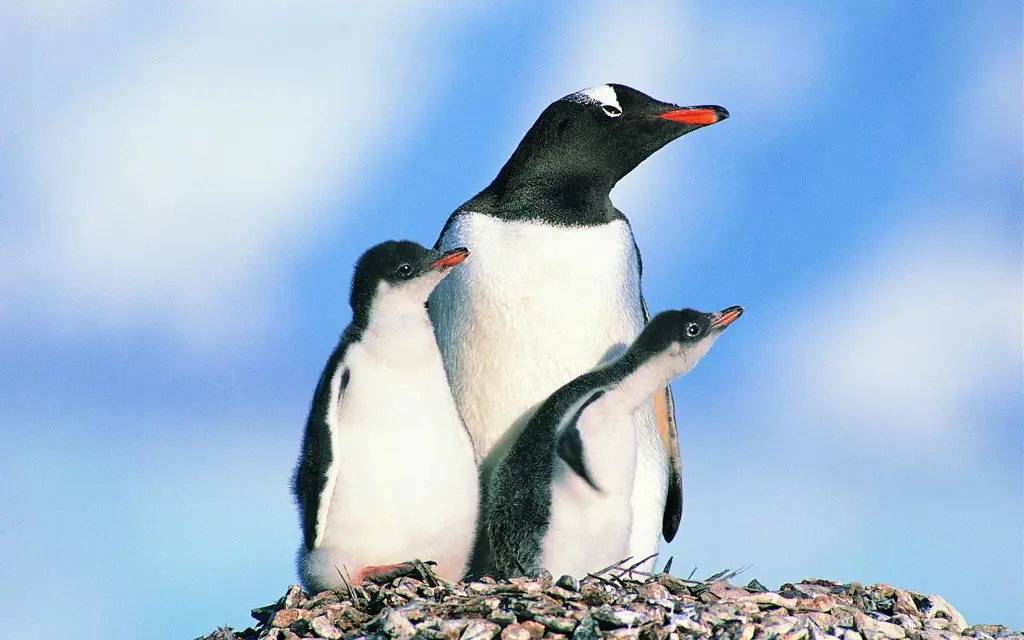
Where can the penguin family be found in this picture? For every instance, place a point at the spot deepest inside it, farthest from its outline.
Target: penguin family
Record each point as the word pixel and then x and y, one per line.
pixel 499 403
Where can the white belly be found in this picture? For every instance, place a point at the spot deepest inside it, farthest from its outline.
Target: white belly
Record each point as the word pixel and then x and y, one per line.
pixel 407 483
pixel 532 308
pixel 590 529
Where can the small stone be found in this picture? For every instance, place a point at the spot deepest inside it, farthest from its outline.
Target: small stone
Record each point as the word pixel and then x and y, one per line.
pixel 300 627
pixel 992 629
pixel 822 620
pixel 724 590
pixel 594 594
pixel 264 614
pixel 770 598
pixel 779 628
pixel 502 617
pixel 725 611
pixel 293 597
pixel 587 628
pixel 515 632
pixel 415 616
pixel 796 634
pixel 568 583
pixel 614 618
pixel 453 628
pixel 675 585
pixel 905 604
pixel 942 608
pixel 936 623
pixel 688 625
pixel 653 591
pixel 397 625
pixel 887 629
pixel 286 617
pixel 563 594
pixel 480 630
pixel 325 628
pixel 535 629
pixel 905 621
pixel 747 630
pixel 556 623
pixel 816 603
pixel 809 590
pixel 852 635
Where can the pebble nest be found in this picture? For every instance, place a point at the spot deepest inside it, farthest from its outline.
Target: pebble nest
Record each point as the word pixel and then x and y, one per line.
pixel 615 603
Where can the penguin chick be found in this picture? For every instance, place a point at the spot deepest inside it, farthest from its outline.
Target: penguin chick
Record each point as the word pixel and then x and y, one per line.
pixel 560 499
pixel 387 472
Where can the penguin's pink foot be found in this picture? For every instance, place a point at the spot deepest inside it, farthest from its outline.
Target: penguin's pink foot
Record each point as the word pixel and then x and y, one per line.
pixel 384 573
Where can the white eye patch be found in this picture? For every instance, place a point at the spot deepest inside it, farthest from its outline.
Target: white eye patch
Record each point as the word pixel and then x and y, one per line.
pixel 603 95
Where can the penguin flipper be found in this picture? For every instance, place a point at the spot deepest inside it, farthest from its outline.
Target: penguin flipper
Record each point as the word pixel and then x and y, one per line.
pixel 312 485
pixel 570 450
pixel 570 445
pixel 665 415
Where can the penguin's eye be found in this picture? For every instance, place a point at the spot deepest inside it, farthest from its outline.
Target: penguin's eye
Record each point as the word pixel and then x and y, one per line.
pixel 611 110
pixel 405 270
pixel 692 330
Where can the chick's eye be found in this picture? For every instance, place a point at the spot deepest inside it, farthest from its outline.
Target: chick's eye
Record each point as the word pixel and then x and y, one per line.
pixel 692 330
pixel 404 270
pixel 611 110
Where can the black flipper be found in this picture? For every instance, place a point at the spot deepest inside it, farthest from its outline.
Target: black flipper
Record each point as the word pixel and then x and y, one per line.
pixel 570 445
pixel 310 476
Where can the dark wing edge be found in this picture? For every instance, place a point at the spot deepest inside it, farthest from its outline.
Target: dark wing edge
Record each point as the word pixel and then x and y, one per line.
pixel 570 445
pixel 665 413
pixel 310 476
pixel 665 416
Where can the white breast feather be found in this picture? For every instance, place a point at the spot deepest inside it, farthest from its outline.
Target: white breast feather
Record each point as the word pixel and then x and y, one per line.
pixel 532 309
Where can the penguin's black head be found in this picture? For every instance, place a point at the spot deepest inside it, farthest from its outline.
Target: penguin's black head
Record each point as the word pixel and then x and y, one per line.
pixel 601 134
pixel 686 332
pixel 399 271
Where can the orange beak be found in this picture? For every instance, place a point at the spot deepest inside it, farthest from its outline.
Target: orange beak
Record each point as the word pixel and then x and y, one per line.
pixel 696 116
pixel 450 259
pixel 725 317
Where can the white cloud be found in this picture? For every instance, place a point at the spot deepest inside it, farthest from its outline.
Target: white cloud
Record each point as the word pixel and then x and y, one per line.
pixel 173 184
pixel 895 355
pixel 986 115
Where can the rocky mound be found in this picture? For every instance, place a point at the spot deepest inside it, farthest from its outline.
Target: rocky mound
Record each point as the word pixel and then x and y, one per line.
pixel 615 603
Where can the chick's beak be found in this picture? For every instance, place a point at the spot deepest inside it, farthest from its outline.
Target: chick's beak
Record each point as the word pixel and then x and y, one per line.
pixel 725 317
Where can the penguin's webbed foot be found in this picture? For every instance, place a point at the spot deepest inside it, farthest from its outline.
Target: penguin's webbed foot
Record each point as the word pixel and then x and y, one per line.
pixel 384 573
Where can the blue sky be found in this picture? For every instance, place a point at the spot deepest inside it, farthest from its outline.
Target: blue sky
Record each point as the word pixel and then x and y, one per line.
pixel 183 193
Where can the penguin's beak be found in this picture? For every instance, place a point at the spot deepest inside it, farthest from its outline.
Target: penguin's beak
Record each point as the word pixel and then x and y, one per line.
pixel 450 259
pixel 696 116
pixel 725 317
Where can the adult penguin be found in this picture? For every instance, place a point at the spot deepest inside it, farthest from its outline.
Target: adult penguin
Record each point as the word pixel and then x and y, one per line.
pixel 554 285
